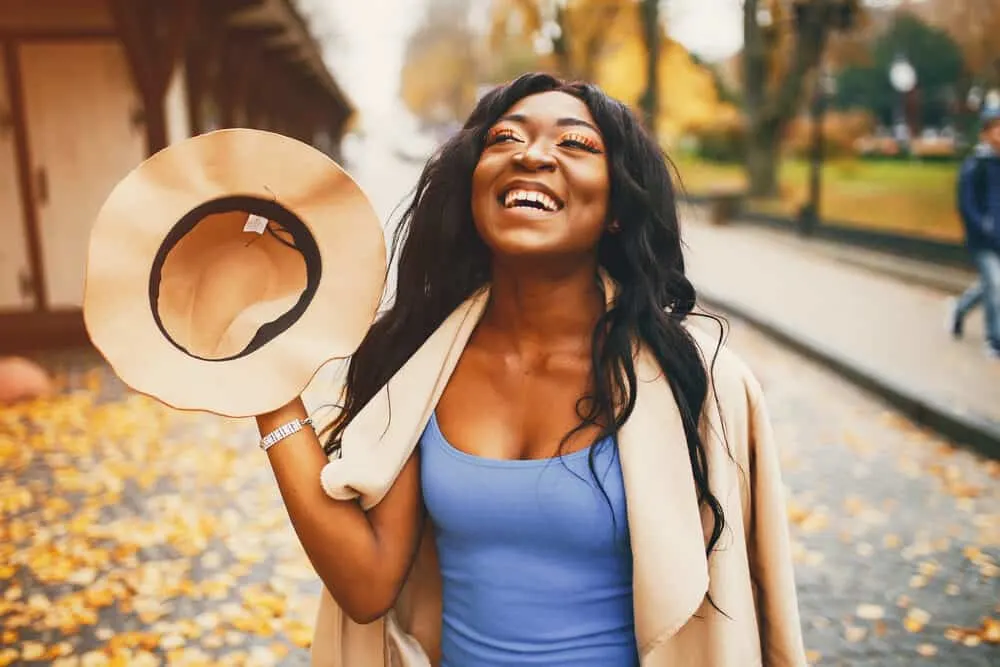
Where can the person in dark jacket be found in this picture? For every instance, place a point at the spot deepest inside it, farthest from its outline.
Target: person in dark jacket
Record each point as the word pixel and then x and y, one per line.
pixel 979 207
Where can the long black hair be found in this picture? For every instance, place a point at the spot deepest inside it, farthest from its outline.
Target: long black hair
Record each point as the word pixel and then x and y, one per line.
pixel 442 261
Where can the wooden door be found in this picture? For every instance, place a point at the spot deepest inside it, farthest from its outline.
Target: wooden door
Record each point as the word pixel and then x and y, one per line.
pixel 16 291
pixel 83 137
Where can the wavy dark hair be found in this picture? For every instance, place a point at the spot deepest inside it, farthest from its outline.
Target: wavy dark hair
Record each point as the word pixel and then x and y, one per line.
pixel 644 257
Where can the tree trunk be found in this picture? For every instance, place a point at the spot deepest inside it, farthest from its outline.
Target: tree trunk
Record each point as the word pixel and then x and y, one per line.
pixel 768 111
pixel 560 47
pixel 651 27
pixel 761 155
pixel 762 164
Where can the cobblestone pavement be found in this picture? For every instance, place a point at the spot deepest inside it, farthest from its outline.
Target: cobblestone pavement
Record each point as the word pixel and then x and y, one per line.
pixel 896 533
pixel 133 535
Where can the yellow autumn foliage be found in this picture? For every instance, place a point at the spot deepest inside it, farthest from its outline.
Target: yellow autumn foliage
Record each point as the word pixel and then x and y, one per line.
pixel 439 74
pixel 605 44
pixel 514 22
pixel 687 92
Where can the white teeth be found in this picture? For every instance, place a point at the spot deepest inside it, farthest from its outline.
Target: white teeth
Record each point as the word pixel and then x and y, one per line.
pixel 515 196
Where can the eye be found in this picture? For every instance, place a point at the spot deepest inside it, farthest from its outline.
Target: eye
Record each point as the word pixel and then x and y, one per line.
pixel 503 135
pixel 576 140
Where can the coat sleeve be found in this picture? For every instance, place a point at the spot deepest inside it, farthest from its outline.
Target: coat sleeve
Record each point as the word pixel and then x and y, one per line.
pixel 769 544
pixel 968 203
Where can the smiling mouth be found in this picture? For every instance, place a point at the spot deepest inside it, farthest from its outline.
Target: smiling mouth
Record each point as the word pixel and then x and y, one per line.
pixel 531 199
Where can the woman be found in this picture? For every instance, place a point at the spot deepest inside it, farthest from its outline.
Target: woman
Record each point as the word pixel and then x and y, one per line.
pixel 534 464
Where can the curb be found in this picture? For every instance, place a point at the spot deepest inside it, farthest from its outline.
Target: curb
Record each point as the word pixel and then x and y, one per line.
pixel 965 429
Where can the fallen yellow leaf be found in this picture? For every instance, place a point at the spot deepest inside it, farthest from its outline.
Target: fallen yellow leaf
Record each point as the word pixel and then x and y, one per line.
pixel 991 630
pixel 916 619
pixel 870 612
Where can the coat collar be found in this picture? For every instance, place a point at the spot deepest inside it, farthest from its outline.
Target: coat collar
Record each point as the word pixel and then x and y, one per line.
pixel 670 568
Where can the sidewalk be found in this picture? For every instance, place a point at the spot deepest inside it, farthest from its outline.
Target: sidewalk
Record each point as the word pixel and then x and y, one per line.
pixel 884 331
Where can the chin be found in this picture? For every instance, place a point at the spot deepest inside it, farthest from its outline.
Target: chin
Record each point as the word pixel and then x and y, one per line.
pixel 517 241
pixel 533 249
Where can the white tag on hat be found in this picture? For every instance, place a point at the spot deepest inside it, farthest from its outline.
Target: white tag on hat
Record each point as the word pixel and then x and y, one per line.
pixel 256 223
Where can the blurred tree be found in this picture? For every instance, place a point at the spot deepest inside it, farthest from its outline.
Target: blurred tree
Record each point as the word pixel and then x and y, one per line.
pixel 523 37
pixel 936 58
pixel 651 29
pixel 572 31
pixel 608 42
pixel 784 41
pixel 975 27
pixel 439 77
pixel 688 98
pixel 577 32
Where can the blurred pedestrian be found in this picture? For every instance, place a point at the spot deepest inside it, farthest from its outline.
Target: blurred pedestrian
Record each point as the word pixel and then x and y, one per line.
pixel 979 207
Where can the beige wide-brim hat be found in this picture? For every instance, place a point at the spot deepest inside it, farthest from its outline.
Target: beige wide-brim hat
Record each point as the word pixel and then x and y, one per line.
pixel 227 269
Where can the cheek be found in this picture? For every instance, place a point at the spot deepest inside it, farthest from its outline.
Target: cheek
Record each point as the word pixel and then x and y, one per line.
pixel 593 193
pixel 480 196
pixel 479 183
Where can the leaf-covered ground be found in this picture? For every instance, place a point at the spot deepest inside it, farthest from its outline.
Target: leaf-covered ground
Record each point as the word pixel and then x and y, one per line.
pixel 131 534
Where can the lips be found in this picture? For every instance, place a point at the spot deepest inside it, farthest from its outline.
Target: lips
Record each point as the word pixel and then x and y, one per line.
pixel 530 196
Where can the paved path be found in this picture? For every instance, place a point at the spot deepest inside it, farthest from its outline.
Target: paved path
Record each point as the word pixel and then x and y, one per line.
pixel 884 326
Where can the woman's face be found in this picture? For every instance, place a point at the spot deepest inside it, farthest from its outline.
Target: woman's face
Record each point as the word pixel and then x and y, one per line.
pixel 541 185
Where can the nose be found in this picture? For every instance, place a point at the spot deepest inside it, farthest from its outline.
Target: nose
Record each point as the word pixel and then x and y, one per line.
pixel 533 158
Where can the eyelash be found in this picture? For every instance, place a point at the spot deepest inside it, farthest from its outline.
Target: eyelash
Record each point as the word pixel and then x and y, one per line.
pixel 497 135
pixel 582 141
pixel 573 139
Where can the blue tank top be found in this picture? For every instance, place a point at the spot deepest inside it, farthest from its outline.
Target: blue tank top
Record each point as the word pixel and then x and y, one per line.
pixel 534 569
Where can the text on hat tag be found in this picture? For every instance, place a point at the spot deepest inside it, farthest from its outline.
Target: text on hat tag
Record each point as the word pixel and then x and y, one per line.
pixel 256 223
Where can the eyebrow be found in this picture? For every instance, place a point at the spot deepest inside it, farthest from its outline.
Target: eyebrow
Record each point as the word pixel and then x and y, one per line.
pixel 562 122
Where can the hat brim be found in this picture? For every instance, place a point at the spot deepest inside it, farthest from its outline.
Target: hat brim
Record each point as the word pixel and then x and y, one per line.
pixel 129 231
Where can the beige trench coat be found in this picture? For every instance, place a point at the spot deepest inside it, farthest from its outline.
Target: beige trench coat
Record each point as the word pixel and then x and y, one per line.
pixel 749 574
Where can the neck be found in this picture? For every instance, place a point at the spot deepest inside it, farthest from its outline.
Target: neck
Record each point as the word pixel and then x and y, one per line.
pixel 533 308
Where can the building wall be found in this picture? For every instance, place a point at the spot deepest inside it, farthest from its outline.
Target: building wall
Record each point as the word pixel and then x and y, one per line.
pixel 176 106
pixel 58 15
pixel 84 135
pixel 15 264
pixel 73 122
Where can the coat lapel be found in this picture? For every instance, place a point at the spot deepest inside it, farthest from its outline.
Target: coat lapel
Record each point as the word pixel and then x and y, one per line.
pixel 669 565
pixel 379 440
pixel 670 570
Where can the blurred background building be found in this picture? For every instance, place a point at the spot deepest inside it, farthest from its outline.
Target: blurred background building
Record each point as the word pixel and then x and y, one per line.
pixel 89 88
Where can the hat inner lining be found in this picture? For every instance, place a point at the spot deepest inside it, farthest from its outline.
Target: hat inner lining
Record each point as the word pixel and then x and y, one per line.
pixel 218 292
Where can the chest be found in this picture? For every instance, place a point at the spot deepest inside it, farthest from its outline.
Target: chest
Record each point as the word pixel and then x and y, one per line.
pixel 574 505
pixel 503 407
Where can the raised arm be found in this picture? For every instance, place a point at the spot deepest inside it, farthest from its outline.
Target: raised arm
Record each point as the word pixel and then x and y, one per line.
pixel 361 557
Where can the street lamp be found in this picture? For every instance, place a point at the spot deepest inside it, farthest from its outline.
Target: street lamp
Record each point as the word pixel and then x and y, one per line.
pixel 974 99
pixel 992 100
pixel 826 88
pixel 903 78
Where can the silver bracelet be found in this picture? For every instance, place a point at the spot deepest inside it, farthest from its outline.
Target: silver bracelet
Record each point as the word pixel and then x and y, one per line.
pixel 283 431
